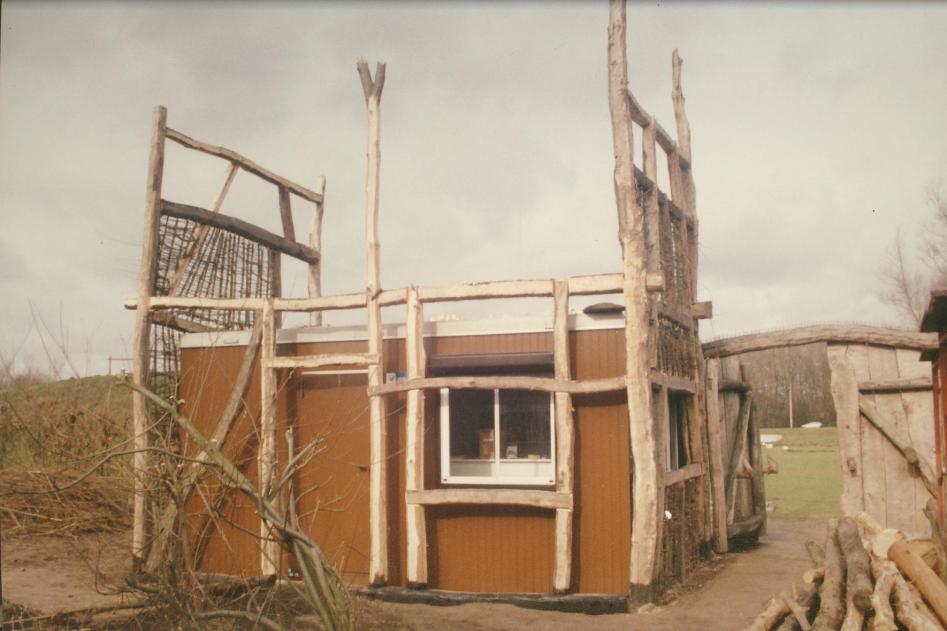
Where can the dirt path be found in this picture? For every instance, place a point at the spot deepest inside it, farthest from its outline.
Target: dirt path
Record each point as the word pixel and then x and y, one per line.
pixel 728 595
pixel 49 574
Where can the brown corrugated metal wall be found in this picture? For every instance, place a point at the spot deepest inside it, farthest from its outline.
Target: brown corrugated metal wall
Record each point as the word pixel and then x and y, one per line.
pixel 475 548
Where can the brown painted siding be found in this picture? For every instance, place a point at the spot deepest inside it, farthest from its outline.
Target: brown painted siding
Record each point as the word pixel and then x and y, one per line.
pixel 471 548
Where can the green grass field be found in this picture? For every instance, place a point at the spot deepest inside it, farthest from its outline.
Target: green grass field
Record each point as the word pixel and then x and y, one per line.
pixel 809 482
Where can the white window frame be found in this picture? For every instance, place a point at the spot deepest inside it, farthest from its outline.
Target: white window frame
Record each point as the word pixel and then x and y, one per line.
pixel 496 479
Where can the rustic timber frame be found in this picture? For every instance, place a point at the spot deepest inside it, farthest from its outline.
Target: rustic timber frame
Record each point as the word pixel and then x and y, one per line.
pixel 657 282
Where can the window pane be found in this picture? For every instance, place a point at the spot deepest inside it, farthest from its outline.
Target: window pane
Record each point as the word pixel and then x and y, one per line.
pixel 524 425
pixel 471 424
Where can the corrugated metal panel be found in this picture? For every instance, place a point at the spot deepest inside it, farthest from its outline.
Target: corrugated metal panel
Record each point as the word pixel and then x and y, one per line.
pixel 603 486
pixel 207 377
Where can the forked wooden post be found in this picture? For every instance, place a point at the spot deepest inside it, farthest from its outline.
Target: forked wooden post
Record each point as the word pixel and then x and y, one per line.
pixel 645 520
pixel 315 242
pixel 414 443
pixel 141 354
pixel 378 566
pixel 565 438
pixel 266 463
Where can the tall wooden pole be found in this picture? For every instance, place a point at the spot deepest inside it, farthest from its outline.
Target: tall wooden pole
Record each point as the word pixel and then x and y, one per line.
pixel 378 566
pixel 315 242
pixel 645 521
pixel 141 355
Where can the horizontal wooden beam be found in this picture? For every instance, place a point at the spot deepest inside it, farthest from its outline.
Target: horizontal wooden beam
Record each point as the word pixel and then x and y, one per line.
pixel 485 290
pixel 747 526
pixel 328 359
pixel 541 384
pixel 829 333
pixel 673 382
pixel 247 165
pixel 302 305
pixel 509 497
pixel 681 319
pixel 693 470
pixel 702 310
pixel 597 284
pixel 733 385
pixel 180 323
pixel 895 385
pixel 243 228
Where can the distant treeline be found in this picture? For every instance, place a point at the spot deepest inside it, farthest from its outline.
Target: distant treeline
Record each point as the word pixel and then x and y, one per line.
pixel 801 372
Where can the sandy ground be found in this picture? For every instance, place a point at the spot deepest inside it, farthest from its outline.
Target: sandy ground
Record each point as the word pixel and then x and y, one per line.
pixel 53 574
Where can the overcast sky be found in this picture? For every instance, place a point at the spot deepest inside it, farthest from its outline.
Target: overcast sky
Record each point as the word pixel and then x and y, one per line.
pixel 816 129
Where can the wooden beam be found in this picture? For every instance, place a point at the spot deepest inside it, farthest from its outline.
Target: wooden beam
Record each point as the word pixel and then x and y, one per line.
pixel 715 442
pixel 180 323
pixel 702 310
pixel 485 290
pixel 318 361
pixel 895 385
pixel 322 303
pixel 276 284
pixel 415 524
pixel 737 447
pixel 540 384
pixel 315 242
pixel 845 398
pixel 677 476
pixel 645 519
pixel 286 214
pixel 596 284
pixel 747 526
pixel 141 346
pixel 565 437
pixel 680 116
pixel 247 165
pixel 652 210
pixel 829 333
pixel 240 227
pixel 733 385
pixel 506 497
pixel 266 458
pixel 917 465
pixel 378 518
pixel 673 382
pixel 200 233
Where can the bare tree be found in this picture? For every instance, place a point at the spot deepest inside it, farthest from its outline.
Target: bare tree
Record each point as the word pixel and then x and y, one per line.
pixel 906 280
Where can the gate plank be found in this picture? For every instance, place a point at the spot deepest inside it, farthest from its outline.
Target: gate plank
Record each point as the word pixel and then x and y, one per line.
pixel 845 397
pixel 896 476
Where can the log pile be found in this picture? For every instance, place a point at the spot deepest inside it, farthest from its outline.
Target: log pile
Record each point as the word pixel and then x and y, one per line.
pixel 863 578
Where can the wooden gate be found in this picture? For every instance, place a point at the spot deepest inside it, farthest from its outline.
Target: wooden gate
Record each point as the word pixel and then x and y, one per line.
pixel 735 434
pixel 886 437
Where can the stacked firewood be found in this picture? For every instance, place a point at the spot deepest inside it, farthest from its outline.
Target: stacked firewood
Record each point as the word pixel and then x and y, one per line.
pixel 864 578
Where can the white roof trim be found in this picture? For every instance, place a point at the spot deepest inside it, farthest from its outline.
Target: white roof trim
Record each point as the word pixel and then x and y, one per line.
pixel 452 328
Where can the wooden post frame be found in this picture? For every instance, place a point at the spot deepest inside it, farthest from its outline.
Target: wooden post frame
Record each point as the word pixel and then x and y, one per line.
pixel 715 441
pixel 141 353
pixel 266 458
pixel 645 519
pixel 565 438
pixel 378 565
pixel 414 445
pixel 315 242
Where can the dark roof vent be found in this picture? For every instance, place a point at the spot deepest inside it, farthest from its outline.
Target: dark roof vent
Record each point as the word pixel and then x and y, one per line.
pixel 603 309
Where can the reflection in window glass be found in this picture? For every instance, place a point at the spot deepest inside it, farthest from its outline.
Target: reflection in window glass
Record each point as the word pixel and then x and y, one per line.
pixel 472 427
pixel 524 425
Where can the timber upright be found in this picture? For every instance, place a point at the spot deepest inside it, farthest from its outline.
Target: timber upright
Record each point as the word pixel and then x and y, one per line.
pixel 562 458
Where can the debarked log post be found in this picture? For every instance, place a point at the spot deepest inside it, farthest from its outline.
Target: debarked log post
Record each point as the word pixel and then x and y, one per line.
pixel 645 519
pixel 378 527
